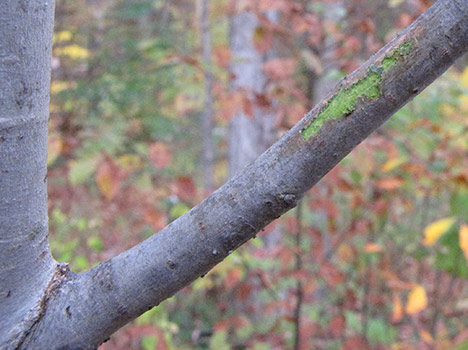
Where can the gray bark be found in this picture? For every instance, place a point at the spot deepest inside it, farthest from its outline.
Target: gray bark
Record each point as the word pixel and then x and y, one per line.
pixel 248 136
pixel 81 310
pixel 26 266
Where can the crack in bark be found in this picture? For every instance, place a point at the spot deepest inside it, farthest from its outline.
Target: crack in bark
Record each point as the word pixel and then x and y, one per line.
pixel 62 271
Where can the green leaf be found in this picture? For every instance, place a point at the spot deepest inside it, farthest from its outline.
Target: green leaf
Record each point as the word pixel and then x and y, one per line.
pixel 178 210
pixel 459 203
pixel 462 346
pixel 149 342
pixel 450 257
pixel 81 263
pixel 381 332
pixel 94 242
pixel 219 341
pixel 262 346
pixel 82 169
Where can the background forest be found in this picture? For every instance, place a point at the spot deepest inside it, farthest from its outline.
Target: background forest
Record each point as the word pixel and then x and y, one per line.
pixel 155 103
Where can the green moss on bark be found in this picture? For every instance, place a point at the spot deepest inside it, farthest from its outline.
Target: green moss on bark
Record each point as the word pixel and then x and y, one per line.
pixel 344 102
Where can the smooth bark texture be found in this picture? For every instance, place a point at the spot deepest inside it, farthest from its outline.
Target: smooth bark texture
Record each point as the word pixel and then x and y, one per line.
pixel 26 266
pixel 249 135
pixel 84 309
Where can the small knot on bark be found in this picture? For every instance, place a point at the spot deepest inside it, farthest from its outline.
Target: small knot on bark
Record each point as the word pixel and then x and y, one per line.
pixel 288 198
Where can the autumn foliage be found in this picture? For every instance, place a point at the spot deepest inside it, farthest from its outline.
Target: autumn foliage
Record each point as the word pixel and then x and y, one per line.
pixel 377 255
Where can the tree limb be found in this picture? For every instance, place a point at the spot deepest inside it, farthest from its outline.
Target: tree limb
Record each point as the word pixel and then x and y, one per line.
pixel 92 305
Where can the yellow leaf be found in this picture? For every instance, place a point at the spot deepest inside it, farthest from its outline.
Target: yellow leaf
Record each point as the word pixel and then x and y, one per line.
pixel 394 3
pixel 57 86
pixel 64 35
pixel 437 229
pixel 397 313
pixel 464 103
pixel 417 300
pixel 464 239
pixel 130 162
pixel 392 164
pixel 72 51
pixel 464 77
pixel 447 109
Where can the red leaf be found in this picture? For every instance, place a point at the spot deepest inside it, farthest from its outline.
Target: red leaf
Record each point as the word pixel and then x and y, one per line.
pixel 184 188
pixel 222 56
pixel 337 326
pixel 243 291
pixel 154 218
pixel 280 68
pixel 229 104
pixel 160 155
pixel 247 105
pixel 356 343
pixel 331 274
pixel 233 277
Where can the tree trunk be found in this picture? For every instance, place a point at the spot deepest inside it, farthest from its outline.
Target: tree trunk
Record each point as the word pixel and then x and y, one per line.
pixel 207 115
pixel 26 266
pixel 249 135
pixel 80 311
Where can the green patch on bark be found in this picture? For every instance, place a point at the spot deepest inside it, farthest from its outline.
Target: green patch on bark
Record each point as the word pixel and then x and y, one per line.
pixel 344 102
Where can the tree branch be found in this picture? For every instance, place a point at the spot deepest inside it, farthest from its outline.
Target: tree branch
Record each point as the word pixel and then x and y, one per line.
pixel 92 305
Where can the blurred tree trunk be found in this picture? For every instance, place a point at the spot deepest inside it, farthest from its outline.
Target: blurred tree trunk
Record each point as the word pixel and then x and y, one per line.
pixel 332 15
pixel 249 135
pixel 207 114
pixel 45 306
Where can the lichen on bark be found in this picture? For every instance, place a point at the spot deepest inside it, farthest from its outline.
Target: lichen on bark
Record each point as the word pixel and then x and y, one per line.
pixel 344 102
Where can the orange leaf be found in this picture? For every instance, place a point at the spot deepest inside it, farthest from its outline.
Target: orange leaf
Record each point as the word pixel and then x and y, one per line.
pixel 372 248
pixel 426 336
pixel 464 240
pixel 154 218
pixel 233 277
pixel 390 184
pixel 108 180
pixel 160 155
pixel 417 300
pixel 397 314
